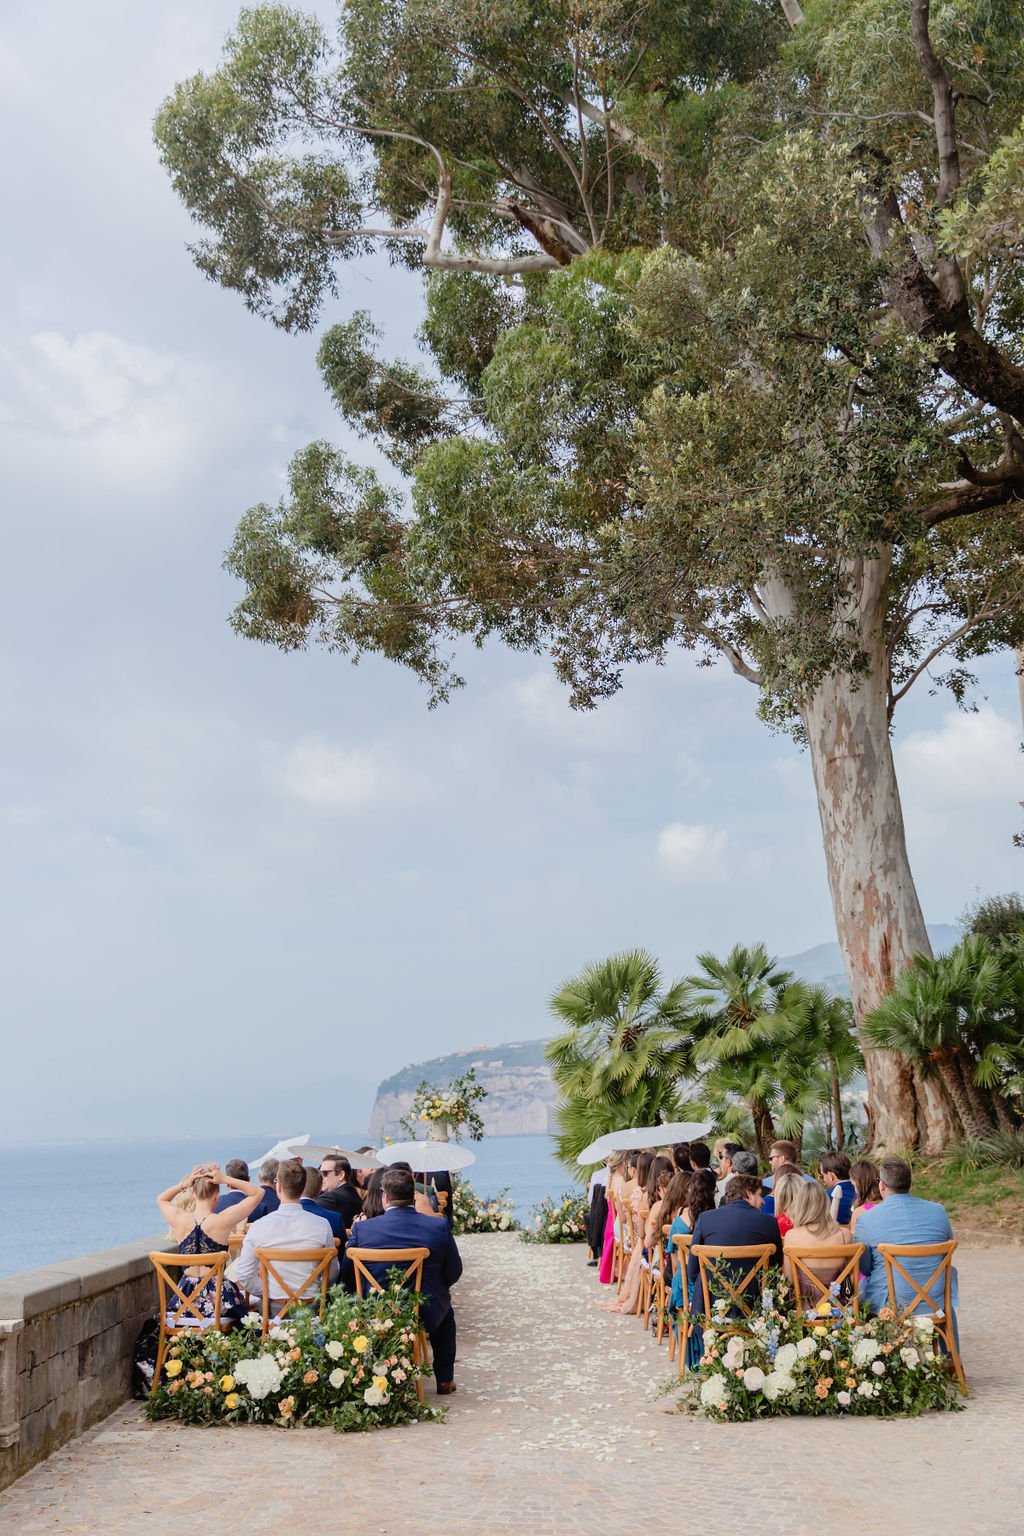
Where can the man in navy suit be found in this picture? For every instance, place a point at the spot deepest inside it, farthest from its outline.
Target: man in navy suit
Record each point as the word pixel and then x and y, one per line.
pixel 402 1226
pixel 739 1223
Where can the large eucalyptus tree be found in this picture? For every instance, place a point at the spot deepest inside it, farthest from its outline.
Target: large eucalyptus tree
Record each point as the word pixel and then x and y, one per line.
pixel 723 337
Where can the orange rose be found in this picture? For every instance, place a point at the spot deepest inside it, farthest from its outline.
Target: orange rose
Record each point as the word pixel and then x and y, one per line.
pixel 310 1377
pixel 294 1354
pixel 821 1390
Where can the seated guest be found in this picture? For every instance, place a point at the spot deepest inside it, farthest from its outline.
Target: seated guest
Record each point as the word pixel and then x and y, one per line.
pixel 681 1156
pixel 235 1169
pixel 725 1169
pixel 780 1154
pixel 698 1196
pixel 813 1227
pixel 268 1184
pixel 289 1226
pixel 835 1175
pixel 339 1192
pixel 743 1162
pixel 204 1229
pixel 788 1182
pixel 373 1200
pixel 311 1202
pixel 700 1155
pixel 864 1178
pixel 401 1226
pixel 738 1223
pixel 425 1199
pixel 901 1218
pixel 658 1173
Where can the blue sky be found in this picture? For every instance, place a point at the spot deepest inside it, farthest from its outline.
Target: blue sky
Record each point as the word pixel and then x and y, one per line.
pixel 239 884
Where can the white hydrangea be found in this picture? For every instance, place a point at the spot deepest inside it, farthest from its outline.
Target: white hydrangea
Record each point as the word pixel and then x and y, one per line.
pixel 734 1353
pixel 844 1399
pixel 335 1349
pixel 260 1376
pixel 778 1384
pixel 826 1354
pixel 715 1392
pixel 865 1350
pixel 252 1320
pixel 806 1347
pixel 924 1323
pixel 753 1378
pixel 786 1357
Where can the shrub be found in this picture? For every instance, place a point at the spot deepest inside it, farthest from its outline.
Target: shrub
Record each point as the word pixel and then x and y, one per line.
pixel 558 1221
pixel 472 1213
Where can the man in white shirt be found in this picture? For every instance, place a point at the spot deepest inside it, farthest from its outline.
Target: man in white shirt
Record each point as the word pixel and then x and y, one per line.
pixel 290 1226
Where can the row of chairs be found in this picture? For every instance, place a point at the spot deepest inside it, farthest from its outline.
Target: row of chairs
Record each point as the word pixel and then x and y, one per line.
pixel 183 1311
pixel 736 1275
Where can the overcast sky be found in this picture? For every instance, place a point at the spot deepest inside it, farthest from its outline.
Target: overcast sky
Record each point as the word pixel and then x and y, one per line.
pixel 241 886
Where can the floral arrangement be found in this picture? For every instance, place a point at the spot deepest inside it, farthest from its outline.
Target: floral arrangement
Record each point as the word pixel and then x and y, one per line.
pixel 352 1369
pixel 785 1362
pixel 558 1221
pixel 454 1105
pixel 472 1213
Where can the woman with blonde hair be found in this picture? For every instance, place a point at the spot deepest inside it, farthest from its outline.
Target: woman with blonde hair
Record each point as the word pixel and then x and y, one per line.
pixel 813 1227
pixel 788 1184
pixel 203 1229
pixel 646 1202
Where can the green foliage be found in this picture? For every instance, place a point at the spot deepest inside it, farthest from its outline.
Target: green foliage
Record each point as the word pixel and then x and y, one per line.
pixel 995 918
pixel 623 1052
pixel 960 1019
pixel 1003 1149
pixel 472 1213
pixel 352 1370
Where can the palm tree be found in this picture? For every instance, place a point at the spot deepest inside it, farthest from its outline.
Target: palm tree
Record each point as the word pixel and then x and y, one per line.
pixel 834 1044
pixel 759 1037
pixel 623 1053
pixel 955 1017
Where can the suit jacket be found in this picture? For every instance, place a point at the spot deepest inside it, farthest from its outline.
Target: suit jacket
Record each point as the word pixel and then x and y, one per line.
pixel 736 1225
pixel 345 1200
pixel 332 1218
pixel 403 1227
pixel 901 1219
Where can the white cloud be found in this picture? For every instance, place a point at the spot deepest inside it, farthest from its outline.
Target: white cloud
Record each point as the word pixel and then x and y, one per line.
pixel 335 778
pixel 687 852
pixel 971 758
pixel 125 412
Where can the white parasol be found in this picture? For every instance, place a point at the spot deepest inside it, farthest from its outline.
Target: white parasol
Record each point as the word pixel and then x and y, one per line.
pixel 642 1136
pixel 427 1156
pixel 313 1153
pixel 281 1150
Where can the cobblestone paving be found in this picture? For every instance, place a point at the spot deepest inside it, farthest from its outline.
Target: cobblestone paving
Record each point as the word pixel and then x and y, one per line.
pixel 558 1427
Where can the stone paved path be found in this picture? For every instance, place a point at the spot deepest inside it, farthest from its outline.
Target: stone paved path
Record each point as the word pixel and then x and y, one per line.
pixel 557 1428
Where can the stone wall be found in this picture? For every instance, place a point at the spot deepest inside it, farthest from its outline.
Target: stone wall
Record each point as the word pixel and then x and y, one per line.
pixel 67 1335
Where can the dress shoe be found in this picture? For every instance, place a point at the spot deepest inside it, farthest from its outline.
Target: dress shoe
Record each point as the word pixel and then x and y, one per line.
pixel 445 1388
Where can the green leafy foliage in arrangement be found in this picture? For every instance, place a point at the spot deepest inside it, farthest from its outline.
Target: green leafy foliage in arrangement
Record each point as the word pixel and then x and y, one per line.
pixel 557 1220
pixel 785 1362
pixel 351 1370
pixel 454 1106
pixel 960 1019
pixel 473 1213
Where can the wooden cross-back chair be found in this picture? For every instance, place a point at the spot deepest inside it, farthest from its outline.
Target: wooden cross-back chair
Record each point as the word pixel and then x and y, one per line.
pixel 659 1286
pixel 638 1226
pixel 412 1275
pixel 943 1323
pixel 179 1309
pixel 809 1288
pixel 717 1265
pixel 683 1315
pixel 318 1279
pixel 652 1285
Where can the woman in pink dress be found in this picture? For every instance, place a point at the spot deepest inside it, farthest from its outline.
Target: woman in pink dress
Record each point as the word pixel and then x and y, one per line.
pixel 616 1175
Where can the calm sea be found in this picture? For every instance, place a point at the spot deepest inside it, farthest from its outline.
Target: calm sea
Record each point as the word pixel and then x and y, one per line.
pixel 57 1202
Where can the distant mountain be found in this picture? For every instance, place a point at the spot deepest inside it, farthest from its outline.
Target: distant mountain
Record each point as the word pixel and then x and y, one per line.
pixel 824 963
pixel 521 1096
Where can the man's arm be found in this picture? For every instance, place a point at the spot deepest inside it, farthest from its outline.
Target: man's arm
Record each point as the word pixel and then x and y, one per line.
pixel 692 1263
pixel 247 1268
pixel 451 1266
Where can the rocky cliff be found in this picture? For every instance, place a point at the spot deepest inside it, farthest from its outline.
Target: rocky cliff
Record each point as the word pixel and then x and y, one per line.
pixel 520 1094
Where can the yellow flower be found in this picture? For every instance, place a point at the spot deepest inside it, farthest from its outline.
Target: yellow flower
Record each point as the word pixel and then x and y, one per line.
pixel 361 1344
pixel 286 1407
pixel 381 1383
pixel 823 1308
pixel 821 1331
pixel 173 1367
pixel 232 1400
pixel 227 1383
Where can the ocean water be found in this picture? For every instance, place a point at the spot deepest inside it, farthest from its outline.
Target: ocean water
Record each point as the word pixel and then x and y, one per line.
pixel 57 1202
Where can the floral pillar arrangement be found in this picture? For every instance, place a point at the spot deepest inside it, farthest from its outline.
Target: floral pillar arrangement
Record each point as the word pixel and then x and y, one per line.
pixel 447 1112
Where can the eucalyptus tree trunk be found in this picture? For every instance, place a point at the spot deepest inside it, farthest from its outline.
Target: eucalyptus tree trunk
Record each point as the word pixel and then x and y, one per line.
pixel 878 917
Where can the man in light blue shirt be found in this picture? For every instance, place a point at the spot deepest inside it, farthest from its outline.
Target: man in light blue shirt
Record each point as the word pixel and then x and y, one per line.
pixel 901 1218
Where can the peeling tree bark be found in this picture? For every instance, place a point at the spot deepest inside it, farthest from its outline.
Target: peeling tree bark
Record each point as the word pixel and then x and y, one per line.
pixel 878 917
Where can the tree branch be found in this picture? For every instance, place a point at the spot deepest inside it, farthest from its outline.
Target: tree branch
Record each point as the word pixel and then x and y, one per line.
pixel 944 104
pixel 733 655
pixel 966 498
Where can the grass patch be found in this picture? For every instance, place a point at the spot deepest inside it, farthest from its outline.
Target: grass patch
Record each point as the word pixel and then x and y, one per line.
pixel 987 1199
